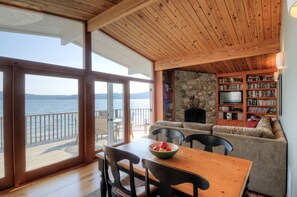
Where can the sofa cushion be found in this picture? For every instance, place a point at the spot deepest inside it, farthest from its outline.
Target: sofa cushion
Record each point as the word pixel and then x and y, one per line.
pixel 276 126
pixel 265 125
pixel 198 126
pixel 255 132
pixel 169 123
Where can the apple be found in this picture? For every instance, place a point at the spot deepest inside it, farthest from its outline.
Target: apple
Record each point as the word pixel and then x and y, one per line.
pixel 163 145
pixel 162 149
pixel 156 148
pixel 168 149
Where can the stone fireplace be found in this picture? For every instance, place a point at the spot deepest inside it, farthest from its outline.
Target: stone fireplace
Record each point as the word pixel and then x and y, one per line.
pixel 195 115
pixel 195 90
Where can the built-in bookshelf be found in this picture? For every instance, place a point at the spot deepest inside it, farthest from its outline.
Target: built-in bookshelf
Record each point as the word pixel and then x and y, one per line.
pixel 259 95
pixel 168 97
pixel 230 111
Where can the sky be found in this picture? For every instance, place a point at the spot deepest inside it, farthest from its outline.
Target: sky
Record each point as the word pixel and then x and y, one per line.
pixel 49 50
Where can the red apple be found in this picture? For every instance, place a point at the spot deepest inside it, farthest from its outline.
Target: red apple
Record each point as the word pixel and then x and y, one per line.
pixel 163 145
pixel 156 148
pixel 168 149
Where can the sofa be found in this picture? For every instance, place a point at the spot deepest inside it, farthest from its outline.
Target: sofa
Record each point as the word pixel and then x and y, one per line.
pixel 265 145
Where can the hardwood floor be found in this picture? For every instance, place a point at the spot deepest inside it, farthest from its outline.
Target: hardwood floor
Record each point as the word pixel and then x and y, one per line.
pixel 75 183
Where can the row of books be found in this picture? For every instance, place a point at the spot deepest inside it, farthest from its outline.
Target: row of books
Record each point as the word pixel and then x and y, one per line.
pixel 268 77
pixel 231 87
pixel 229 80
pixel 261 93
pixel 262 110
pixel 269 102
pixel 261 85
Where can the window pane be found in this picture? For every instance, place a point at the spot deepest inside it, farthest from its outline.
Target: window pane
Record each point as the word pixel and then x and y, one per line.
pixel 2 170
pixel 110 56
pixel 51 120
pixel 43 38
pixel 141 112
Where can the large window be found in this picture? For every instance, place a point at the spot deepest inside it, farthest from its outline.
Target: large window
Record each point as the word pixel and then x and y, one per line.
pixel 51 120
pixel 141 110
pixel 2 170
pixel 110 56
pixel 40 37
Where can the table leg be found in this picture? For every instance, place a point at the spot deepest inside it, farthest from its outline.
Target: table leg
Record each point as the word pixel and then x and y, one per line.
pixel 103 181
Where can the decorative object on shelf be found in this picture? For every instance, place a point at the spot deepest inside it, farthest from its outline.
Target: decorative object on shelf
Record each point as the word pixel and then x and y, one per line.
pixel 292 8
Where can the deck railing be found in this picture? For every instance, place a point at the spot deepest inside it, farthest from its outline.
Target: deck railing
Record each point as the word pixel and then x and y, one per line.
pixel 43 128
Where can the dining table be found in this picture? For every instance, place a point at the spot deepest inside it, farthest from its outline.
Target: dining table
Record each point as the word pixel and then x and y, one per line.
pixel 227 175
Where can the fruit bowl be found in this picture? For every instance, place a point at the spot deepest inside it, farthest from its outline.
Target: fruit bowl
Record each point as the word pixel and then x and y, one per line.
pixel 163 153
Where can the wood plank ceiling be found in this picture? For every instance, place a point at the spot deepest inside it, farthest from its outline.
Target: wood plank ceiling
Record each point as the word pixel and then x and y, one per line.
pixel 173 29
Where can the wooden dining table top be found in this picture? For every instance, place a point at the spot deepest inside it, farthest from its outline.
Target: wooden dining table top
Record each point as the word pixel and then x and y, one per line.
pixel 227 176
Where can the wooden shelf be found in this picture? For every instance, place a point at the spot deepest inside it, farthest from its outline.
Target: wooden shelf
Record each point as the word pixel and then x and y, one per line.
pixel 261 114
pixel 261 98
pixel 233 90
pixel 231 104
pixel 231 111
pixel 229 83
pixel 261 81
pixel 259 89
pixel 264 106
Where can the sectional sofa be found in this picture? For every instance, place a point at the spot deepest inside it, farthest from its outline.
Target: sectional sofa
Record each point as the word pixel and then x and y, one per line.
pixel 265 145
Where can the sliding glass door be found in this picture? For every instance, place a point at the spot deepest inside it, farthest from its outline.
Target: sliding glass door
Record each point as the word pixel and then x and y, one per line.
pixel 109 114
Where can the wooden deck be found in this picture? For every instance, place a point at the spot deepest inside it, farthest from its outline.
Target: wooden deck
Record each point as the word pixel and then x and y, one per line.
pixel 53 152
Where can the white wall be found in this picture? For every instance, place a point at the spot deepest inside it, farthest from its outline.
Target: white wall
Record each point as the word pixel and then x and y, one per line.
pixel 289 95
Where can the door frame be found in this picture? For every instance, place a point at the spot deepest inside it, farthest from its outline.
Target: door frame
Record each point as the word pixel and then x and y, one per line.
pixel 7 180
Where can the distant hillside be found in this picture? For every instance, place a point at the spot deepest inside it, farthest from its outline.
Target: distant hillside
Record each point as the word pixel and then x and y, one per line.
pixel 144 95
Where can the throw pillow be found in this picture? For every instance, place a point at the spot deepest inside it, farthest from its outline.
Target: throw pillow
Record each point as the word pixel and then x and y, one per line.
pixel 252 124
pixel 169 123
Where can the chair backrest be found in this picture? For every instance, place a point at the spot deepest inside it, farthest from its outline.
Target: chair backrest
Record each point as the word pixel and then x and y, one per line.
pixel 111 157
pixel 169 176
pixel 169 134
pixel 210 141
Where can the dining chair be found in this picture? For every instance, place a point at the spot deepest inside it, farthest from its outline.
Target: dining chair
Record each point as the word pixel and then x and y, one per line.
pixel 169 176
pixel 119 185
pixel 169 134
pixel 209 142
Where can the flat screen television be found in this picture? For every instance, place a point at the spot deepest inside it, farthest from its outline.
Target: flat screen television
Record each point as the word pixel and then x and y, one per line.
pixel 230 97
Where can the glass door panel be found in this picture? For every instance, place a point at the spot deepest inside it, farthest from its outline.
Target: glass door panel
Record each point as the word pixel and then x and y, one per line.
pixel 51 118
pixel 109 114
pixel 140 109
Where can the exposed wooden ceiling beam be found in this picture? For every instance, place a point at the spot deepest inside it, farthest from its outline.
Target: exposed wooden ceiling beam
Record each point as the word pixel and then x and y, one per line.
pixel 116 12
pixel 228 53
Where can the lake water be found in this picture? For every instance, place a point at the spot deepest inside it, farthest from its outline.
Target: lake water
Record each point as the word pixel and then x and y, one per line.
pixel 57 106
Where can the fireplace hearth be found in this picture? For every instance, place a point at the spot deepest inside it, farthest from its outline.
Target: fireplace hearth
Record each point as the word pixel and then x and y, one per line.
pixel 195 115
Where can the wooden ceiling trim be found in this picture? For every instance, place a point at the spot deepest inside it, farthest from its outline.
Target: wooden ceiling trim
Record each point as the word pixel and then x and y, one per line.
pixel 170 10
pixel 234 52
pixel 155 35
pixel 118 11
pixel 135 31
pixel 211 32
pixel 159 32
pixel 199 29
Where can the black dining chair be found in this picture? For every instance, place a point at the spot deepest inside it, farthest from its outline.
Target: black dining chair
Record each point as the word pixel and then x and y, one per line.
pixel 118 185
pixel 169 134
pixel 169 176
pixel 209 142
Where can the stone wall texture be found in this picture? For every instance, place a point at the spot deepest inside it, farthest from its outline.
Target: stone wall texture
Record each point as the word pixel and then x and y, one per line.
pixel 193 89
